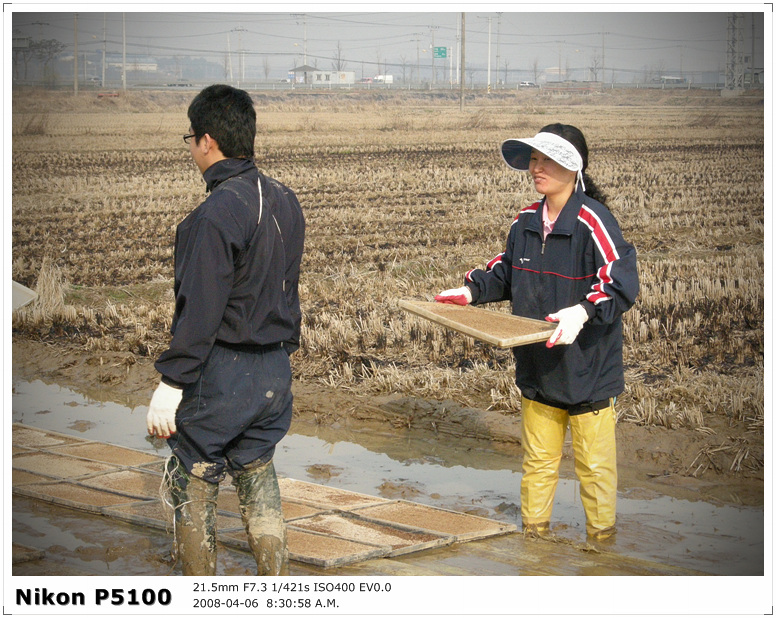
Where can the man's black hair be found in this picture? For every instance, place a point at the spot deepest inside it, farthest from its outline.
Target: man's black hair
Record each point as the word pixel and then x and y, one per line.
pixel 227 115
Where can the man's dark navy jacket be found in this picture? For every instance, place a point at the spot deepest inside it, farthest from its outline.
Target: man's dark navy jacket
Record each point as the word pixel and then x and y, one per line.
pixel 237 262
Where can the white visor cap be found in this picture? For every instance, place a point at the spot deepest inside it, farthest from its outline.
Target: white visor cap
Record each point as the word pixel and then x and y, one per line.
pixel 517 152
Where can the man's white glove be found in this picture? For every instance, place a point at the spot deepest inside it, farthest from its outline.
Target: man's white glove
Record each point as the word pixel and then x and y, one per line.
pixel 161 411
pixel 570 322
pixel 457 296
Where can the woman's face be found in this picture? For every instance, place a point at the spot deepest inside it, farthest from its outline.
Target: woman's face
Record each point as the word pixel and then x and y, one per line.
pixel 550 178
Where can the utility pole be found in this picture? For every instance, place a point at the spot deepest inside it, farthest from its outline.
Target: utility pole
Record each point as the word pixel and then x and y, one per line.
pixel 498 48
pixel 229 56
pixel 75 53
pixel 463 57
pixel 490 20
pixel 751 82
pixel 433 68
pixel 104 47
pixel 123 53
pixel 450 67
pixel 734 73
pixel 240 56
pixel 417 60
pixel 603 57
pixel 458 51
pixel 560 48
pixel 304 26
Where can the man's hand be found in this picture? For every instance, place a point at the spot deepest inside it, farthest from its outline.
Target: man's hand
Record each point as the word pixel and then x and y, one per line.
pixel 161 411
pixel 457 296
pixel 570 322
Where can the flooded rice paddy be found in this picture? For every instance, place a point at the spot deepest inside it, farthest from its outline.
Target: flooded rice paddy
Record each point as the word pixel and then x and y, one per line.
pixel 455 474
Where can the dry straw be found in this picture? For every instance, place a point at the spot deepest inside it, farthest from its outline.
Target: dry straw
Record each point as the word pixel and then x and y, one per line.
pixel 402 197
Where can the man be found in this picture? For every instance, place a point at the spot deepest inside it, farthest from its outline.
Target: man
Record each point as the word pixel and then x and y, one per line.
pixel 224 399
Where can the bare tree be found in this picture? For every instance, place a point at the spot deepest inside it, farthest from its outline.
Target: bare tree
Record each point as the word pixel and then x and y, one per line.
pixel 595 67
pixel 266 67
pixel 339 62
pixel 403 59
pixel 47 50
pixel 535 69
pixel 25 53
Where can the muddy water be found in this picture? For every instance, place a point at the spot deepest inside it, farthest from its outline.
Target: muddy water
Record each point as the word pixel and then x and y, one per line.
pixel 460 475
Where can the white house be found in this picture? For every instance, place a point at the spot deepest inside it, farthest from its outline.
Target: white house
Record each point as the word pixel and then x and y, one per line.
pixel 306 74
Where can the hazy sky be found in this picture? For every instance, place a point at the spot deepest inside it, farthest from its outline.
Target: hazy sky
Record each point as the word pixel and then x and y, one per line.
pixel 627 42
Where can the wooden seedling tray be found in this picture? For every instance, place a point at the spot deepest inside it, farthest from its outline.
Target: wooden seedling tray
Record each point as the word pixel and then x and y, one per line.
pixel 399 539
pixel 422 518
pixel 327 526
pixel 499 329
pixel 21 295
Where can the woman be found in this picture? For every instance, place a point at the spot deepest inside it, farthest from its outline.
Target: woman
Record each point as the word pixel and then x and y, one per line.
pixel 565 261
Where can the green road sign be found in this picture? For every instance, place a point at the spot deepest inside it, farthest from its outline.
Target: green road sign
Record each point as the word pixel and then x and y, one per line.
pixel 440 52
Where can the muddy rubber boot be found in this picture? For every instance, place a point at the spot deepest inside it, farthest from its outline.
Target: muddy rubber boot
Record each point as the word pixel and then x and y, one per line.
pixel 543 432
pixel 259 495
pixel 595 462
pixel 195 520
pixel 537 531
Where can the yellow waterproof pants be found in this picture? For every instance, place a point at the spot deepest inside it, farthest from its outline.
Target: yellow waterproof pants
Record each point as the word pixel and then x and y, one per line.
pixel 595 463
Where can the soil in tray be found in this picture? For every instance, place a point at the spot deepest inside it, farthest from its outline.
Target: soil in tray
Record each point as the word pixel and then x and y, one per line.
pixel 427 518
pixel 127 482
pixel 107 453
pixel 494 326
pixel 327 497
pixel 79 495
pixel 155 510
pixel 32 438
pixel 368 532
pixel 323 547
pixel 228 501
pixel 58 465
pixel 22 477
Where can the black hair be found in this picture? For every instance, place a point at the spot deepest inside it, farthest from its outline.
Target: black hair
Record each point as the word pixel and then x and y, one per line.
pixel 227 115
pixel 573 135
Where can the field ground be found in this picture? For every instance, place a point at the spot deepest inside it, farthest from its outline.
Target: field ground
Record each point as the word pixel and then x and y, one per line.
pixel 402 195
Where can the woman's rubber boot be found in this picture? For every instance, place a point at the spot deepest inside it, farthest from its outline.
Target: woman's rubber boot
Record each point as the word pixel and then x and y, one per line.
pixel 543 432
pixel 595 463
pixel 259 494
pixel 537 531
pixel 195 520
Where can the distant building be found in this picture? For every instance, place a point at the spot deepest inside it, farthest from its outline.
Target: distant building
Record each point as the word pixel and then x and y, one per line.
pixel 306 74
pixel 135 62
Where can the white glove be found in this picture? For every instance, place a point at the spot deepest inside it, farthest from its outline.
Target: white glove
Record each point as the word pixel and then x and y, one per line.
pixel 570 322
pixel 161 411
pixel 457 296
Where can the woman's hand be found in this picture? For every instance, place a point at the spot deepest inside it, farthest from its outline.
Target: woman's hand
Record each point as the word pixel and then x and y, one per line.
pixel 457 296
pixel 570 322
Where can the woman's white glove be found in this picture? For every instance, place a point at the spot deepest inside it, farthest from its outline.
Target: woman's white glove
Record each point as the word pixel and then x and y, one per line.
pixel 161 411
pixel 457 296
pixel 570 322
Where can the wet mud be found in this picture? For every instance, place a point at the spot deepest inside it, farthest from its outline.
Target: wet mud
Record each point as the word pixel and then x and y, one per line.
pixel 681 533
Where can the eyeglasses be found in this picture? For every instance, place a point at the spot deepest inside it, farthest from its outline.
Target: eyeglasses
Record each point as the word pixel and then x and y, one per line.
pixel 186 138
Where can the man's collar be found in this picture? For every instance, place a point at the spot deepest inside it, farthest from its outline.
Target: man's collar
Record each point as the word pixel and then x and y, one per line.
pixel 225 169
